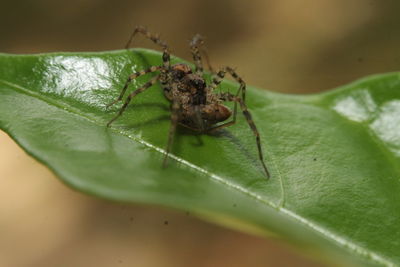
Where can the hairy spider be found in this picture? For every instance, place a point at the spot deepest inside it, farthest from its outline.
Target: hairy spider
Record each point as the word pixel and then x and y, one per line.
pixel 194 104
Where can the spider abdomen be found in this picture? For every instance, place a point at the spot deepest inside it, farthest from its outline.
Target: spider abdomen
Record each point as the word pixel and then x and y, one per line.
pixel 215 113
pixel 202 117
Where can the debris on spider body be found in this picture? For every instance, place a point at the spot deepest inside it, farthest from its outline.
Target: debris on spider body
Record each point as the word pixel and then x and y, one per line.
pixel 194 104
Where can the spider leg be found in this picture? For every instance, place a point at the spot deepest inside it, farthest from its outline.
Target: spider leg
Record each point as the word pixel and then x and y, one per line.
pixel 156 39
pixel 216 81
pixel 129 80
pixel 247 115
pixel 221 74
pixel 195 44
pixel 132 95
pixel 227 124
pixel 190 128
pixel 172 129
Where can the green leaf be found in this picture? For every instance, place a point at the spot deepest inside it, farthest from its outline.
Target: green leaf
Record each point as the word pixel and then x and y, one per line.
pixel 334 157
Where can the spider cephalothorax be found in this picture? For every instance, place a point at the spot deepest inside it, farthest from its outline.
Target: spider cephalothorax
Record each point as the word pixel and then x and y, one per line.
pixel 194 104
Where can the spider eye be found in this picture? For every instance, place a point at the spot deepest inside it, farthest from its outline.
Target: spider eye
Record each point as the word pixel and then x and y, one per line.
pixel 179 74
pixel 197 83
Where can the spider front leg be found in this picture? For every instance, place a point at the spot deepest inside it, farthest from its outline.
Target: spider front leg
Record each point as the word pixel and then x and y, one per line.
pixel 172 129
pixel 132 95
pixel 156 39
pixel 195 44
pixel 130 79
pixel 249 119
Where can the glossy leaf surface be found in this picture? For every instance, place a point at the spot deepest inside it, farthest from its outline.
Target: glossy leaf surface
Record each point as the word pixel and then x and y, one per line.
pixel 334 157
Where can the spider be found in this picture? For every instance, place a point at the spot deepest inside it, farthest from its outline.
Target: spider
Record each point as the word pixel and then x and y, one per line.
pixel 194 104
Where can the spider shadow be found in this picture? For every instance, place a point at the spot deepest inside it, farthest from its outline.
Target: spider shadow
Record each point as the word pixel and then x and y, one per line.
pixel 182 131
pixel 149 122
pixel 222 133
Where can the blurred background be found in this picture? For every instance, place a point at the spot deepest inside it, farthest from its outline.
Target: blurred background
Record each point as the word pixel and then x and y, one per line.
pixel 280 45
